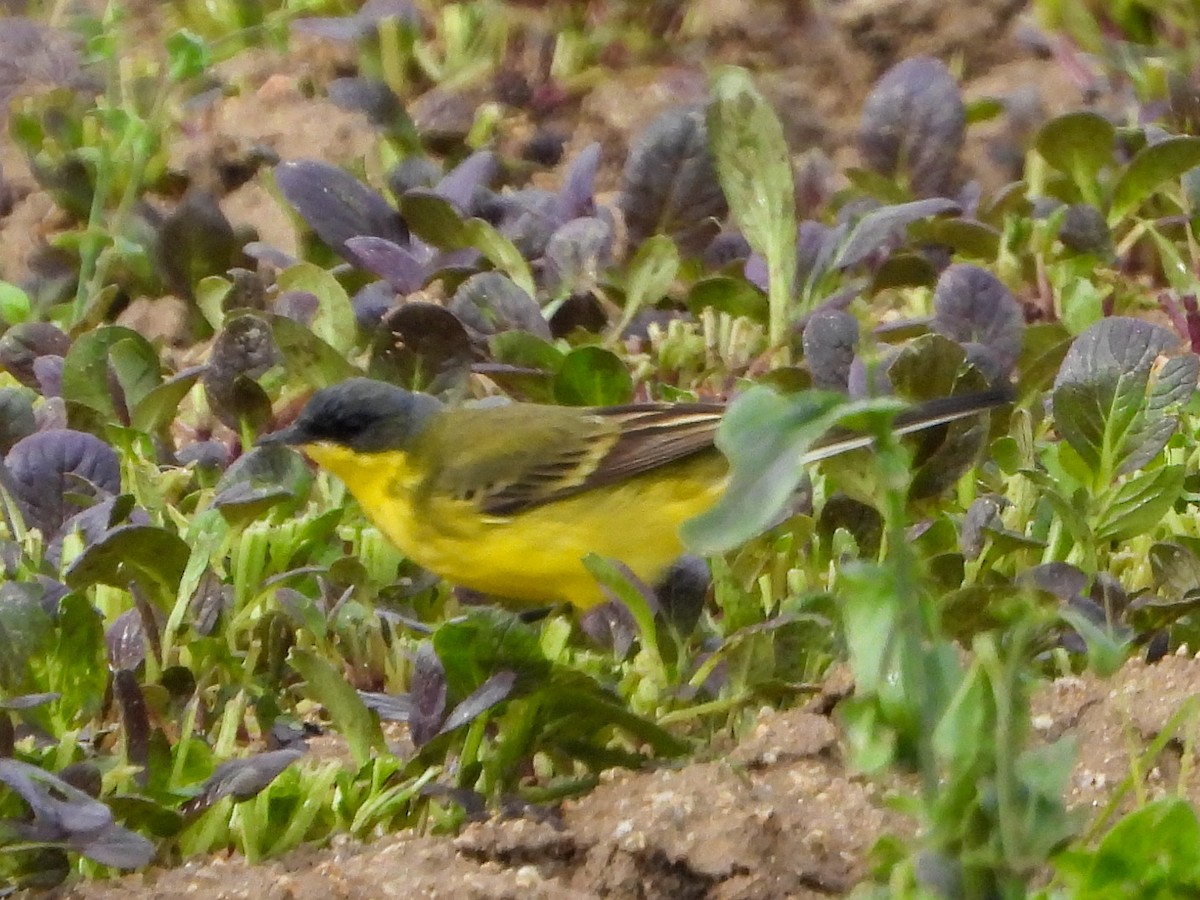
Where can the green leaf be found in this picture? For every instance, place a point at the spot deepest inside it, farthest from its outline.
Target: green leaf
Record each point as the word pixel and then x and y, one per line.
pixel 15 305
pixel 309 357
pixel 934 366
pixel 188 55
pixel 486 641
pixel 1078 144
pixel 593 376
pixel 766 436
pixel 1107 649
pixel 753 164
pixel 131 553
pixel 158 407
pixel 76 666
pixel 617 579
pixel 879 225
pixel 1152 852
pixel 500 252
pixel 651 273
pixel 334 321
pixel 135 364
pixel 1139 503
pixel 26 632
pixel 967 725
pixel 1146 172
pixel 1112 395
pixel 433 219
pixel 329 687
pixel 85 376
pixel 734 296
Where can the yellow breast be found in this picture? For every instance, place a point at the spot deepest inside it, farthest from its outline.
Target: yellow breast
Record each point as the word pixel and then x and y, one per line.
pixel 533 557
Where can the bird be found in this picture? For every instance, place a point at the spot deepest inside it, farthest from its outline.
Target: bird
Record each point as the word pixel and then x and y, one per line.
pixel 507 500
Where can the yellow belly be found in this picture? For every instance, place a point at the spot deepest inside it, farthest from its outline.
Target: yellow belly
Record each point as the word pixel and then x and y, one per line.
pixel 535 557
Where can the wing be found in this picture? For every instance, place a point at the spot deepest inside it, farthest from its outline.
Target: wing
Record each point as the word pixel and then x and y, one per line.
pixel 511 458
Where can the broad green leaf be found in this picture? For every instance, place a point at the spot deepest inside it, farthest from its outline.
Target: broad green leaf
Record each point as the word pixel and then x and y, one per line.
pixel 1078 144
pixel 135 364
pixel 733 296
pixel 1146 172
pixel 489 640
pixel 593 376
pixel 433 219
pixel 1139 503
pixel 26 631
pixel 651 273
pixel 85 375
pixel 1152 852
pixel 521 348
pixel 767 436
pixel 329 687
pixel 965 727
pixel 158 407
pixel 76 666
pixel 309 357
pixel 1112 395
pixel 500 252
pixel 15 306
pixel 129 554
pixel 753 164
pixel 334 321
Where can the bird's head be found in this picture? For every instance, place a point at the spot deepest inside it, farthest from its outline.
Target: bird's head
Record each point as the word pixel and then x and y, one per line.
pixel 361 415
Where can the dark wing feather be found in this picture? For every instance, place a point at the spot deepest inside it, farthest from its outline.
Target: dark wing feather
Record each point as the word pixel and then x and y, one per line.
pixel 630 441
pixel 536 455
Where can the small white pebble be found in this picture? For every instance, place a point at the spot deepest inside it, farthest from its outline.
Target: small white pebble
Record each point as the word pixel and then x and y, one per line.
pixel 1043 722
pixel 1183 650
pixel 528 876
pixel 623 828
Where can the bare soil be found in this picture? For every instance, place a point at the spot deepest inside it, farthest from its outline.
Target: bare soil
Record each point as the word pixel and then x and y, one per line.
pixel 780 815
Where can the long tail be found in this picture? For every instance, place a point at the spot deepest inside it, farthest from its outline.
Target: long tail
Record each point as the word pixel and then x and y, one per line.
pixel 929 414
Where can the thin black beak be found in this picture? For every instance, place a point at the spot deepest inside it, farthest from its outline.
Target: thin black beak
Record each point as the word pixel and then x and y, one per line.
pixel 287 437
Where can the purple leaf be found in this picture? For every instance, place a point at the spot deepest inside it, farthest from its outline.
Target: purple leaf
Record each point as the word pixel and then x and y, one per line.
pixel 575 195
pixel 242 779
pixel 577 254
pixel 971 304
pixel 493 691
pixel 879 227
pixel 830 341
pixel 134 720
pixel 48 465
pixel 126 641
pixel 490 302
pixel 336 205
pixel 64 814
pixel 22 344
pixel 360 25
pixel 389 707
pixel 914 119
pixel 428 693
pixel 474 172
pixel 372 303
pixel 529 218
pixel 670 183
pixel 390 261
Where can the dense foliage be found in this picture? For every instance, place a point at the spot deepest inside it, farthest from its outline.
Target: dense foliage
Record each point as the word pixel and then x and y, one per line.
pixel 181 611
